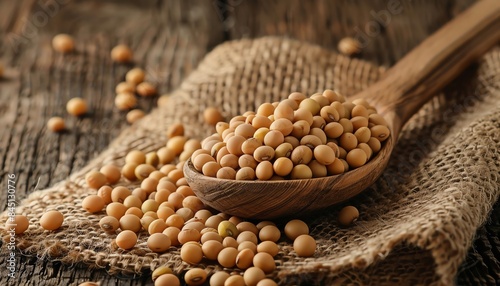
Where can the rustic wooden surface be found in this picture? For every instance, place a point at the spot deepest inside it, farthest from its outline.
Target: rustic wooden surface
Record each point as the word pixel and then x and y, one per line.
pixel 169 39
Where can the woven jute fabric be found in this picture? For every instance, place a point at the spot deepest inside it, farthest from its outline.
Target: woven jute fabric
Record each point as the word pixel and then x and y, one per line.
pixel 416 222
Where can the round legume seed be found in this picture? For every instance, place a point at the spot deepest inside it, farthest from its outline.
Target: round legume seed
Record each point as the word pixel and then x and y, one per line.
pixel 227 228
pixel 304 245
pixel 283 111
pixel 172 232
pixel 348 141
pixel 130 222
pixel 295 228
pixel 95 179
pixel 268 247
pixel 368 151
pixel 109 223
pixel 359 110
pixel 201 160
pixel 244 259
pixel 227 257
pixel 349 46
pixel 212 116
pixel 319 98
pixel 63 43
pixel 211 249
pixel 374 144
pixel 303 114
pixel 311 141
pixel 210 169
pixel 167 280
pixel 300 129
pixel 56 124
pixel 125 101
pixel 120 193
pixel 191 253
pixel 269 232
pixel 93 203
pixel 264 261
pixel 267 282
pixel 126 239
pixel 135 156
pixel 235 280
pixel 89 283
pixel 346 125
pixel 380 132
pixel 318 170
pixel 311 105
pixel 265 109
pixel 264 170
pixel 261 121
pixel 336 168
pixel 143 170
pixel 324 154
pixel 263 153
pixel 301 155
pixel 121 54
pixel 234 144
pixel 162 270
pixel 282 166
pixel 111 172
pixel 158 242
pixel 358 122
pixel 152 159
pixel 135 76
pixel 274 138
pixel 227 173
pixel 283 150
pixel 356 158
pixel 253 275
pixel 229 160
pixel 105 193
pixel 245 173
pixel 124 86
pixel 330 114
pixel 195 276
pixel 283 125
pixel 331 95
pixel 301 171
pixel 20 223
pixel 363 134
pixel 333 130
pixel 116 210
pixel 219 278
pixel 246 130
pixel 146 89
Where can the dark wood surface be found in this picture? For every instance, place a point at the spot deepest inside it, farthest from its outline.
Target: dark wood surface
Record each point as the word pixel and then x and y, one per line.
pixel 169 39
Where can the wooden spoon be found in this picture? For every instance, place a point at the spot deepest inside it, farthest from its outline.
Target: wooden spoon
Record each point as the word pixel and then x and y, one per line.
pixel 401 93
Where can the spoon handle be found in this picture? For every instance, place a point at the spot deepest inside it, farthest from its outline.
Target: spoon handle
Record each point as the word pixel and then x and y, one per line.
pixel 429 67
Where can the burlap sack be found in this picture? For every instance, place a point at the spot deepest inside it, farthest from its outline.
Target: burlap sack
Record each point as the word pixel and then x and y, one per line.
pixel 417 222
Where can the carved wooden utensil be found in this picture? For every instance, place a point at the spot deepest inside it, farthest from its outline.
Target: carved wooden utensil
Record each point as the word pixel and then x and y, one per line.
pixel 401 93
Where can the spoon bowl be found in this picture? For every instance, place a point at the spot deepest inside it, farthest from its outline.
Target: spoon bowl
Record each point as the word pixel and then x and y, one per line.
pixel 272 199
pixel 401 93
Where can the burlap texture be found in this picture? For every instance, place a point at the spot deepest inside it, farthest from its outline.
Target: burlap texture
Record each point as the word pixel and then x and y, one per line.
pixel 417 222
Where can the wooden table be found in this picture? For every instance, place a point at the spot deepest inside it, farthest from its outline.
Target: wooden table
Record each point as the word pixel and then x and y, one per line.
pixel 169 39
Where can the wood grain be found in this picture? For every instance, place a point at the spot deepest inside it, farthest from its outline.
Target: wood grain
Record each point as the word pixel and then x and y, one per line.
pixel 169 39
